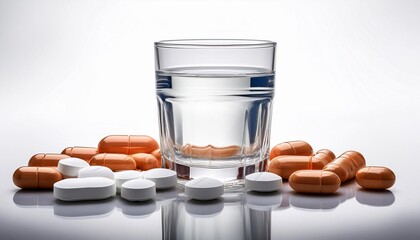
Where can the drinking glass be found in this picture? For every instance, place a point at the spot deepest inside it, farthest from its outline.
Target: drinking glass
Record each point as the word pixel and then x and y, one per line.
pixel 215 100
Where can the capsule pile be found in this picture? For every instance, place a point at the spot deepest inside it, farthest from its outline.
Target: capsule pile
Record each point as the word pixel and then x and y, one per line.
pixel 322 172
pixel 116 152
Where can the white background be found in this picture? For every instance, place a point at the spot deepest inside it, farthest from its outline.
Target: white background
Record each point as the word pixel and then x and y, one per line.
pixel 347 74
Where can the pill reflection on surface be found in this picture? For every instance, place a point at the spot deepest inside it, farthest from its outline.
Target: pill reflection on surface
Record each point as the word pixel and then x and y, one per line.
pixel 86 209
pixel 375 198
pixel 263 201
pixel 28 198
pixel 314 202
pixel 136 209
pixel 200 209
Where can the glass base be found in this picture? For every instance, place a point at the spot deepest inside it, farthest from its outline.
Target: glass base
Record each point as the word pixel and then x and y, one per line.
pixel 232 177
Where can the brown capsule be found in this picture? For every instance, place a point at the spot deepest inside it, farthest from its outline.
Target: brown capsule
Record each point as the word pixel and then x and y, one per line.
pixel 145 161
pixel 325 155
pixel 46 159
pixel 114 161
pixel 36 177
pixel 314 181
pixel 85 153
pixel 346 165
pixel 169 165
pixel 357 159
pixel 291 148
pixel 158 155
pixel 210 151
pixel 285 165
pixel 375 178
pixel 127 144
pixel 340 171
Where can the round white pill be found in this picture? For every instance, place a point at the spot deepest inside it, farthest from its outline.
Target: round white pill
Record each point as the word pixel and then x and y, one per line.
pixel 69 167
pixel 96 171
pixel 263 182
pixel 204 188
pixel 124 176
pixel 138 190
pixel 163 178
pixel 79 189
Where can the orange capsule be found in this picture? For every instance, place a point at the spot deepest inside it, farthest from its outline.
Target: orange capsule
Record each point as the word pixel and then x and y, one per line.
pixel 285 165
pixel 85 153
pixel 114 161
pixel 145 161
pixel 357 159
pixel 46 159
pixel 127 144
pixel 375 178
pixel 36 177
pixel 346 165
pixel 291 148
pixel 210 151
pixel 340 171
pixel 158 155
pixel 325 155
pixel 314 181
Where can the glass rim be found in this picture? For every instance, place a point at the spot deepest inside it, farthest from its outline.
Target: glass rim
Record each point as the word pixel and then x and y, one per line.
pixel 215 43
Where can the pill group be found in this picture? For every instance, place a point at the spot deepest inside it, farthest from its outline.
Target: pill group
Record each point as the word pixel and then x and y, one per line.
pixel 131 166
pixel 89 173
pixel 322 172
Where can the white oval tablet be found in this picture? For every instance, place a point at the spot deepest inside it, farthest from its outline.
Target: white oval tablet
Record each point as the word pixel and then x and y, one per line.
pixel 78 189
pixel 69 167
pixel 204 188
pixel 138 190
pixel 124 176
pixel 263 182
pixel 96 171
pixel 163 178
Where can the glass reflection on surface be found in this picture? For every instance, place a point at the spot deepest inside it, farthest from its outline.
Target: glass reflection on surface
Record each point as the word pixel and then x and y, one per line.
pixel 234 216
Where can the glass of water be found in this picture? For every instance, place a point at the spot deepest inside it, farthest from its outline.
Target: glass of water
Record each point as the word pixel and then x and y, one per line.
pixel 215 99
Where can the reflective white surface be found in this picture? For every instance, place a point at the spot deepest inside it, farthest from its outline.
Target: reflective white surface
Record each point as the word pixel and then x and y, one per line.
pixel 72 72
